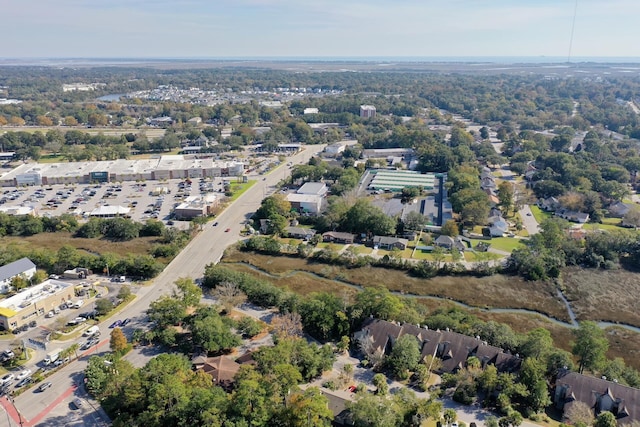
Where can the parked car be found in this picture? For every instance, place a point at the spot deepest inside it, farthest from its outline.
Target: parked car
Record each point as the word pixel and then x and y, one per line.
pixel 116 324
pixel 44 386
pixel 77 402
pixel 23 374
pixel 7 379
pixel 125 322
pixel 24 382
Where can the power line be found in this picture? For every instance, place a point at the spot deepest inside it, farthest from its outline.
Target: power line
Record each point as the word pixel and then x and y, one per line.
pixel 573 26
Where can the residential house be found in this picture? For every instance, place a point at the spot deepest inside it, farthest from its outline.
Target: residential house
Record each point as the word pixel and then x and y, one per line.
pixel 222 369
pixel 22 267
pixel 573 216
pixel 449 242
pixel 451 347
pixel 338 237
pixel 334 149
pixel 599 394
pixel 389 243
pixel 619 209
pixel 300 233
pixel 488 183
pixel 549 204
pixel 497 226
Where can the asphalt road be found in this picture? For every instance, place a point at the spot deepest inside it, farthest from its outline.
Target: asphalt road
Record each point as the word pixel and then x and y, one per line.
pixel 207 247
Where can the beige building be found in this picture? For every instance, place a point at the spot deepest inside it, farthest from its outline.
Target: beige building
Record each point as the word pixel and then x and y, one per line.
pixel 34 302
pixel 196 206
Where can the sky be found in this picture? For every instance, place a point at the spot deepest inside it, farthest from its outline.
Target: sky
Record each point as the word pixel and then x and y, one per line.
pixel 318 28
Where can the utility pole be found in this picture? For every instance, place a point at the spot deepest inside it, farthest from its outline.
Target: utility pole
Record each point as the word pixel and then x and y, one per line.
pixel 10 399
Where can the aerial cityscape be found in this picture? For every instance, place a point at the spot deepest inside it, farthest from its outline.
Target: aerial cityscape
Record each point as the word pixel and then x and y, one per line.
pixel 272 213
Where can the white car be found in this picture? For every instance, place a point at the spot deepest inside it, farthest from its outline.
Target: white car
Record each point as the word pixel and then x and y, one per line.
pixel 7 379
pixel 23 374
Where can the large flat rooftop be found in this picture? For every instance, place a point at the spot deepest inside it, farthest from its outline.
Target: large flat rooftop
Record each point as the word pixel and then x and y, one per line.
pixel 396 180
pixel 29 296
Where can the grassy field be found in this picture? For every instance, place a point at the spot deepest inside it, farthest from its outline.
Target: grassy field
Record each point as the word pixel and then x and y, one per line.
pixel 507 244
pixel 494 291
pixel 239 188
pixel 139 246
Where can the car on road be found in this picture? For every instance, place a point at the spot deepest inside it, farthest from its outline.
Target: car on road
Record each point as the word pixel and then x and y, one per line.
pixel 42 387
pixel 115 324
pixel 77 402
pixel 227 230
pixel 7 379
pixel 528 213
pixel 215 224
pixel 23 374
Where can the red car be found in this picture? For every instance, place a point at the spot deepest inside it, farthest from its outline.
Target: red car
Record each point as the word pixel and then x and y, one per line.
pixel 352 388
pixel 227 230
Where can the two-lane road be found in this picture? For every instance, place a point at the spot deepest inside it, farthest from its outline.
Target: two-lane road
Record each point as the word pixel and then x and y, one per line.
pixel 207 247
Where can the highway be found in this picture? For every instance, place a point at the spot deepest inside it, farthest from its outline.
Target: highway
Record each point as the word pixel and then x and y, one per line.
pixel 205 248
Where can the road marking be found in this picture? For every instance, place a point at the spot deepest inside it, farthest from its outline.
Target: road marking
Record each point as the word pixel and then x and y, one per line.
pixel 13 413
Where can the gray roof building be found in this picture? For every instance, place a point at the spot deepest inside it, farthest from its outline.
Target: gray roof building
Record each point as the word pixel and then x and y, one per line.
pixel 14 268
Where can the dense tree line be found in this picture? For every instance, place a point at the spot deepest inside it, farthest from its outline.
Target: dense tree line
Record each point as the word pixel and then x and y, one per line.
pixel 547 252
pixel 168 244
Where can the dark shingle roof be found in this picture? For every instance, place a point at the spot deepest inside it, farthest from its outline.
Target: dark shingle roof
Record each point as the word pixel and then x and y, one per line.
pixel 15 268
pixel 572 386
pixel 451 347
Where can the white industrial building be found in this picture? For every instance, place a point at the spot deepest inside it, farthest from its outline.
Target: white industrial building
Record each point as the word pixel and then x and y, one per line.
pixel 335 149
pixel 315 188
pixel 23 266
pixel 309 203
pixel 19 210
pixel 34 302
pixel 110 212
pixel 196 206
pixel 164 167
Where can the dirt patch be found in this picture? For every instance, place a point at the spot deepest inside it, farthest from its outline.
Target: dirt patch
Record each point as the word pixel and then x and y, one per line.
pixel 607 295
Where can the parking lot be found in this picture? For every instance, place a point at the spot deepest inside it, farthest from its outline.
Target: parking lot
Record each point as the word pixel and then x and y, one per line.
pixel 149 199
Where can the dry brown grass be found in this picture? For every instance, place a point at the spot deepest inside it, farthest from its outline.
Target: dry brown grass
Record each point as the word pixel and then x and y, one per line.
pixel 495 291
pixel 607 295
pixel 625 344
pixel 54 241
pixel 300 283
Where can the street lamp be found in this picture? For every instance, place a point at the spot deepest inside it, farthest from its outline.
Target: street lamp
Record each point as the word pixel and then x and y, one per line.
pixel 10 399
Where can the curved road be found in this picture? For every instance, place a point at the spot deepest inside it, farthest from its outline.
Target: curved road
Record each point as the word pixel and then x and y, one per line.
pixel 207 247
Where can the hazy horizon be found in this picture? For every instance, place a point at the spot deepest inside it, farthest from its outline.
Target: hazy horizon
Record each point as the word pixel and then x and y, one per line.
pixel 238 29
